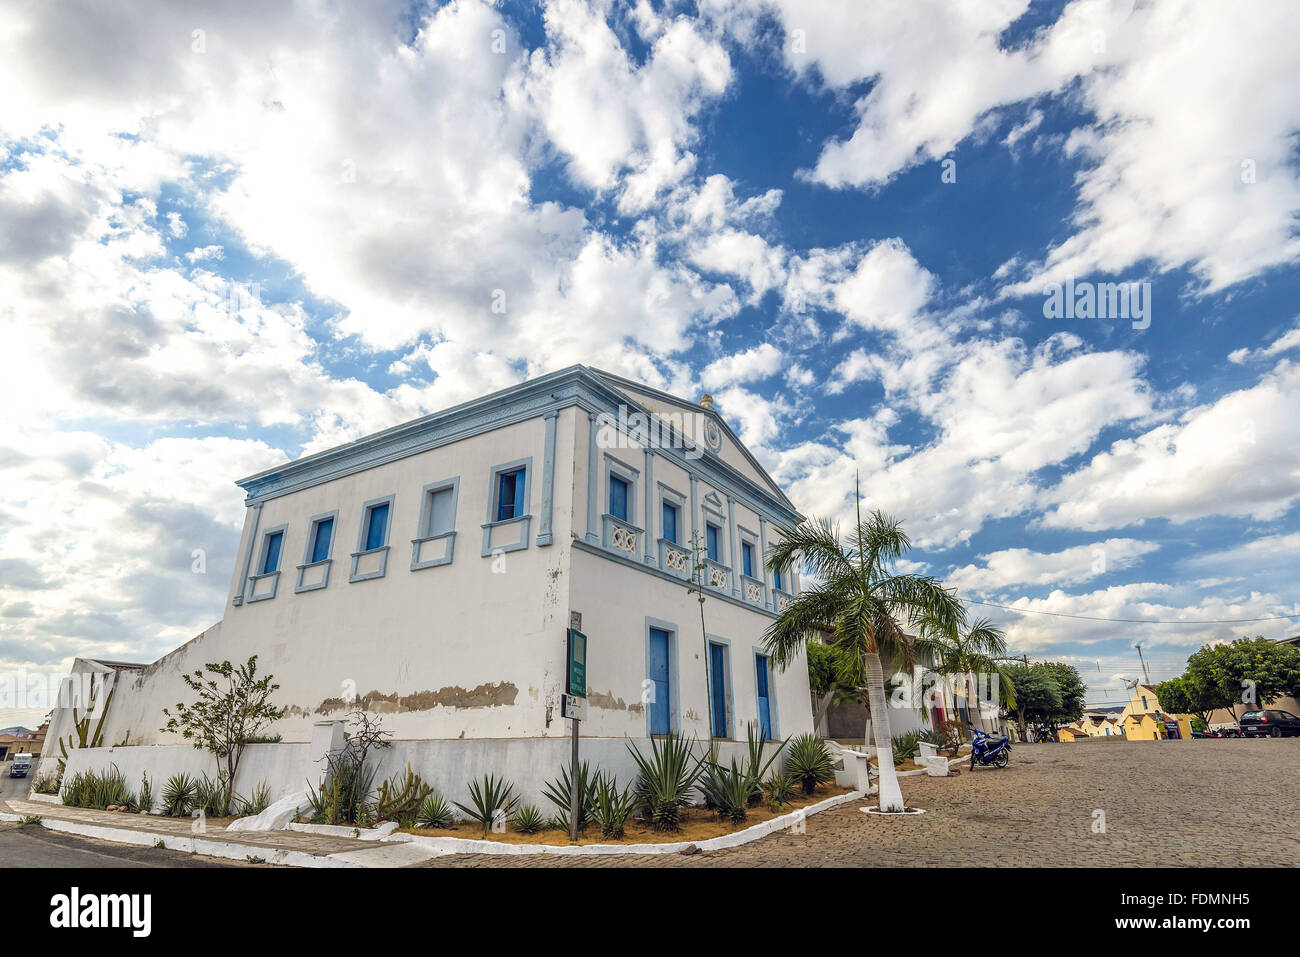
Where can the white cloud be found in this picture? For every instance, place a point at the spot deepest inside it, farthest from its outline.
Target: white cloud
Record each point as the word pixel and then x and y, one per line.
pixel 753 364
pixel 1218 459
pixel 998 570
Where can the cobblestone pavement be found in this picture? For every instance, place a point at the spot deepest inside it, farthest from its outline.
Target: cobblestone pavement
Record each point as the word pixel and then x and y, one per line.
pixel 1230 803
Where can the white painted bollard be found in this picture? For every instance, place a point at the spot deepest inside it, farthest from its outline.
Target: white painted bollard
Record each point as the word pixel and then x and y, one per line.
pixel 936 766
pixel 928 750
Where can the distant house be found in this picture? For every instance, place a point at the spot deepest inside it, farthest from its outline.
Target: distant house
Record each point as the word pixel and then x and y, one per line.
pixel 20 740
pixel 1157 726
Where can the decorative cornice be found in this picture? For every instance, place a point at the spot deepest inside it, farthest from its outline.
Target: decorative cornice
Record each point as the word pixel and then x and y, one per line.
pixel 579 386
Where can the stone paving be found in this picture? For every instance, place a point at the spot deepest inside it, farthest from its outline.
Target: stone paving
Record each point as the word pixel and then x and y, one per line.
pixel 1229 803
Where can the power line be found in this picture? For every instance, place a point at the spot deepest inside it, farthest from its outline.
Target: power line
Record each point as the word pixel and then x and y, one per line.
pixel 1136 621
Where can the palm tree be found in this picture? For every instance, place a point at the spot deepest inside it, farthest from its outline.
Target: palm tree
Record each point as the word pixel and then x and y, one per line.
pixel 861 600
pixel 962 651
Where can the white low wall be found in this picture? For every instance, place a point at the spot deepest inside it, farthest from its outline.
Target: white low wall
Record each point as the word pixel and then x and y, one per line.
pixel 448 765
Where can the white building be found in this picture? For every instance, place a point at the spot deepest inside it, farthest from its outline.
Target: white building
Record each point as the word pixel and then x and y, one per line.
pixel 432 569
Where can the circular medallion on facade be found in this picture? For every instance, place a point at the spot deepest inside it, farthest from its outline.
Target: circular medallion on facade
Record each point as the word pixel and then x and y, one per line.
pixel 712 435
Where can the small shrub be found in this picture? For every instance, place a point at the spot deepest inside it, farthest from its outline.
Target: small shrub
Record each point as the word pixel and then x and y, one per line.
pixel 951 734
pixel 344 795
pixel 757 766
pixel 146 799
pixel 31 819
pixel 808 761
pixel 558 793
pixel 160 844
pixel 665 779
pixel 47 784
pixel 258 800
pixel 489 796
pixel 435 811
pixel 528 819
pixel 612 807
pixel 400 800
pixel 178 796
pixel 904 746
pixel 210 797
pixel 780 790
pixel 727 790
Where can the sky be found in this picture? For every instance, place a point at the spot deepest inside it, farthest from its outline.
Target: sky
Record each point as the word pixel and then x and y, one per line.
pixel 237 232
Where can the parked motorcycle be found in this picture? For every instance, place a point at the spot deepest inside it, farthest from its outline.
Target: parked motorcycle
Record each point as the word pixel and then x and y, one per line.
pixel 990 749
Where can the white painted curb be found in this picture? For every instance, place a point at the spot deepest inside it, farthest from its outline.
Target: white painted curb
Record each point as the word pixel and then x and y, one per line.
pixel 464 845
pixel 379 833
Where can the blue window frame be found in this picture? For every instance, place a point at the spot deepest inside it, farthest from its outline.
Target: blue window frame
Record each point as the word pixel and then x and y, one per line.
pixel 747 558
pixel 711 541
pixel 660 704
pixel 618 497
pixel 322 536
pixel 718 689
pixel 764 698
pixel 377 526
pixel 776 579
pixel 670 522
pixel 510 487
pixel 271 552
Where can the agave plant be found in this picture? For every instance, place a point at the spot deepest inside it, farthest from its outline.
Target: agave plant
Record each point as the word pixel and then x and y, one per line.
pixel 489 796
pixel 344 795
pixel 210 796
pixel 558 791
pixel 808 761
pixel 612 807
pixel 757 766
pixel 256 802
pixel 178 795
pixel 728 789
pixel 904 746
pixel 666 778
pixel 780 789
pixel 528 819
pixel 435 811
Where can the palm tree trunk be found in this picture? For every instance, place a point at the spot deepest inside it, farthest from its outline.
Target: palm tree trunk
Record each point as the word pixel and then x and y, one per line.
pixel 891 798
pixel 972 700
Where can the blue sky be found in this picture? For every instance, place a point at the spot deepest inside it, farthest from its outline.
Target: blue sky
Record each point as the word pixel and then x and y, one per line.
pixel 264 231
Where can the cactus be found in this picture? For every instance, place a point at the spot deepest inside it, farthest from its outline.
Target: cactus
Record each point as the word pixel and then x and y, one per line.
pixel 84 737
pixel 400 801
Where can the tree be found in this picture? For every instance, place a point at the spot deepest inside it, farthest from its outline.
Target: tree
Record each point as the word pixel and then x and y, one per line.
pixel 1071 689
pixel 1037 695
pixel 861 600
pixel 233 705
pixel 823 680
pixel 963 652
pixel 1249 672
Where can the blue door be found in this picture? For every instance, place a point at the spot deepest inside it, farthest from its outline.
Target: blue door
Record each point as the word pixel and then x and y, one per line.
pixel 718 690
pixel 660 722
pixel 618 497
pixel 764 701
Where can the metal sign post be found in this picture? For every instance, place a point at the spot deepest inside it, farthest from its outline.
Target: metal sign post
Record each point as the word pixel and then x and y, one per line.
pixel 575 709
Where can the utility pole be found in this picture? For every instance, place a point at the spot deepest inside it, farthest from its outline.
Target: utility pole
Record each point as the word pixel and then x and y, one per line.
pixel 1145 674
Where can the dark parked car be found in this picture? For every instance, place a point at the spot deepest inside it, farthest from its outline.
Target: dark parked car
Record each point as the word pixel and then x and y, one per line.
pixel 1275 724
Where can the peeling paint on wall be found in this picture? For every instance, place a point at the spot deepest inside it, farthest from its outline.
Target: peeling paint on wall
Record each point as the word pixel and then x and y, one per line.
pixel 485 695
pixel 606 700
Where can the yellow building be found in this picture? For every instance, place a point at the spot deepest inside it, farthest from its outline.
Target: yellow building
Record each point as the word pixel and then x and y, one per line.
pixel 1157 726
pixel 1069 733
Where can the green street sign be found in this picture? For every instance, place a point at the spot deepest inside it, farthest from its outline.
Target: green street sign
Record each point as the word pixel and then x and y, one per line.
pixel 577 663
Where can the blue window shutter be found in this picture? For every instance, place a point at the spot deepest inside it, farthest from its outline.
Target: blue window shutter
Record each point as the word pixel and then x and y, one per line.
pixel 377 529
pixel 509 495
pixel 747 558
pixel 670 522
pixel 711 541
pixel 718 690
pixel 776 578
pixel 764 700
pixel 660 715
pixel 320 549
pixel 440 515
pixel 271 561
pixel 618 497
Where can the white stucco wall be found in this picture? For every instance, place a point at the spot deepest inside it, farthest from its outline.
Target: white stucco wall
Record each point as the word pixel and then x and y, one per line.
pixel 474 650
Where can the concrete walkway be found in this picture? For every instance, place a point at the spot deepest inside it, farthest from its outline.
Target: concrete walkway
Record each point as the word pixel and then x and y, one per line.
pixel 273 847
